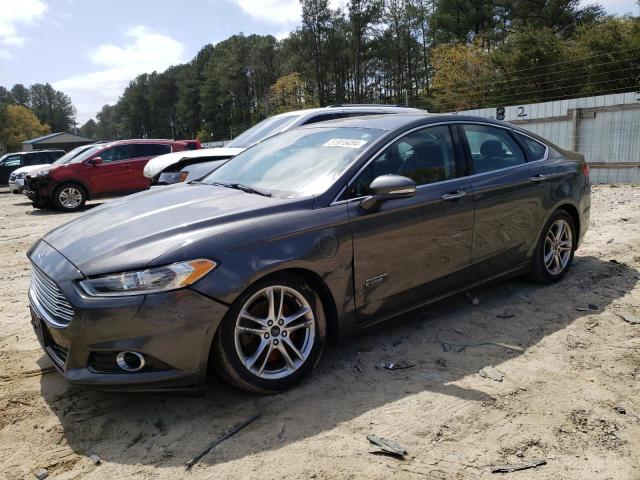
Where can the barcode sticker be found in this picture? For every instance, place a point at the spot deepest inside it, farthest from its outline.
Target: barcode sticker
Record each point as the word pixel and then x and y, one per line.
pixel 345 143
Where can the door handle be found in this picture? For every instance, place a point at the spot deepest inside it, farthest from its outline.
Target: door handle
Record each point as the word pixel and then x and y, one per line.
pixel 448 197
pixel 538 178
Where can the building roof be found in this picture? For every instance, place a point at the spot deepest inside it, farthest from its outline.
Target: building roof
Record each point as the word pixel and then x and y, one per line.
pixel 64 138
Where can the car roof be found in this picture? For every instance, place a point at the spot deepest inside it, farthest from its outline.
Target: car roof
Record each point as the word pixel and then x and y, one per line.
pixel 350 108
pixel 405 120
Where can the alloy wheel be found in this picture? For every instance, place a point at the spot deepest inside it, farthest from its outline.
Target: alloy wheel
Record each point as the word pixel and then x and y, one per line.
pixel 274 332
pixel 70 197
pixel 557 247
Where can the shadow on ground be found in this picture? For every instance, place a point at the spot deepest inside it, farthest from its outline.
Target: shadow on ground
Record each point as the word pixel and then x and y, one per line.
pixel 52 211
pixel 167 430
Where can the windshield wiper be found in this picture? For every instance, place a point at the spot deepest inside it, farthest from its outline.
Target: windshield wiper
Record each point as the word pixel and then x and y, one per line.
pixel 245 188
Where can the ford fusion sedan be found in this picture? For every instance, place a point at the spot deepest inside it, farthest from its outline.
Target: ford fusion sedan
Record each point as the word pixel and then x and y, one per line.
pixel 105 169
pixel 172 168
pixel 308 236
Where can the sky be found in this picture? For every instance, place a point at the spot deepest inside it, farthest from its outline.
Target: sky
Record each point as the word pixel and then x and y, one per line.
pixel 91 49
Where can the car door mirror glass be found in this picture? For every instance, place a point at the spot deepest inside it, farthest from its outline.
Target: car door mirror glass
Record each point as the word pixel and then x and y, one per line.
pixel 388 187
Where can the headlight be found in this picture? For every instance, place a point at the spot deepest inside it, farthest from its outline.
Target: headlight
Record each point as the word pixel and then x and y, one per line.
pixel 173 177
pixel 150 280
pixel 39 173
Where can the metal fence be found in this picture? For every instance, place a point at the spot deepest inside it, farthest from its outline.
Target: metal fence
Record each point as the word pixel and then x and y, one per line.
pixel 604 128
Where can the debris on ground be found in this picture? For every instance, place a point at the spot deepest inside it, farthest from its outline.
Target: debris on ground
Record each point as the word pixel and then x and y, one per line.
pixel 41 474
pixel 492 373
pixel 461 347
pixel 401 365
pixel 589 308
pixel 473 299
pixel 506 314
pixel 628 317
pixel 95 459
pixel 227 435
pixel 620 409
pixel 387 447
pixel 519 466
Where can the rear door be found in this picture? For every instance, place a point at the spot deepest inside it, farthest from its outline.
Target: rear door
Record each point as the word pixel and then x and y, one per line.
pixel 143 153
pixel 412 249
pixel 114 173
pixel 509 195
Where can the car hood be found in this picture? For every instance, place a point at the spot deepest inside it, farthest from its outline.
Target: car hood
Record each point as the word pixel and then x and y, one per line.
pixel 158 164
pixel 131 232
pixel 31 168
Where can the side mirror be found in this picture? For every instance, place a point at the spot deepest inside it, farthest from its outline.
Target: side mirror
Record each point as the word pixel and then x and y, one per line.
pixel 96 161
pixel 388 187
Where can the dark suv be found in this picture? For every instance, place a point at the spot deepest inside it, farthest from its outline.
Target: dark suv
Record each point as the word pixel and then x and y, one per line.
pixel 13 161
pixel 105 169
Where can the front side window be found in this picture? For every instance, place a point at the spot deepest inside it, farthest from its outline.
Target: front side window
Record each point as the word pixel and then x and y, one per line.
pixel 300 162
pixel 120 152
pixel 425 156
pixel 492 148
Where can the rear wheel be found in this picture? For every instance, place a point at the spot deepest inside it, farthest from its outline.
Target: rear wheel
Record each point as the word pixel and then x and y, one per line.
pixel 555 249
pixel 272 336
pixel 69 197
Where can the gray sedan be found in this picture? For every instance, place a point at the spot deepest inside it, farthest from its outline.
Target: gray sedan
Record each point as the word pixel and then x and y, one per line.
pixel 306 237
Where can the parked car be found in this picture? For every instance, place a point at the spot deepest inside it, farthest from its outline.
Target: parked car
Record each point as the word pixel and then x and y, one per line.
pixel 17 177
pixel 105 169
pixel 168 169
pixel 12 161
pixel 310 235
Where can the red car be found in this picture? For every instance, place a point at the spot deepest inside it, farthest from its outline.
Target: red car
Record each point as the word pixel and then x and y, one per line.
pixel 105 169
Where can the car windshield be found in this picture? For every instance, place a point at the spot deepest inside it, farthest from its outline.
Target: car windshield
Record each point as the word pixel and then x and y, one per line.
pixel 86 154
pixel 298 162
pixel 265 129
pixel 67 157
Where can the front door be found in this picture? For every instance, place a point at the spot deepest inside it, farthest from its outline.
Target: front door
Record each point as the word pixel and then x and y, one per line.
pixel 508 197
pixel 412 249
pixel 144 153
pixel 114 173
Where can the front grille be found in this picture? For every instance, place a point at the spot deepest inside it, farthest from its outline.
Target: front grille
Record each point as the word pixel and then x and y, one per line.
pixel 49 298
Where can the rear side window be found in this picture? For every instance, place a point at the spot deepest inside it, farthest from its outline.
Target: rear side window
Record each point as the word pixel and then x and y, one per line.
pixel 120 152
pixel 13 161
pixel 53 156
pixel 535 149
pixel 33 159
pixel 151 149
pixel 492 148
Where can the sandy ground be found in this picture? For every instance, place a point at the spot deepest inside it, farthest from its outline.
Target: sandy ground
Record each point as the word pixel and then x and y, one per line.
pixel 568 376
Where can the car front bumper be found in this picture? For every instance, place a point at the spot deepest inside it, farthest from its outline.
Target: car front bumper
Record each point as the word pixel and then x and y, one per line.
pixel 172 330
pixel 16 186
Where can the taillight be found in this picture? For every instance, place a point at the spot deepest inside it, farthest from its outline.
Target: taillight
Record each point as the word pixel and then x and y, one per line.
pixel 585 169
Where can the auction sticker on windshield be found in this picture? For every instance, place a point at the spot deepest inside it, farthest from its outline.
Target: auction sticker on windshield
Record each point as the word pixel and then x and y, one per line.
pixel 345 142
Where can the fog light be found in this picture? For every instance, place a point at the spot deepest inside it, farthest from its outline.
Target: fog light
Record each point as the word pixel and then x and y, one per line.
pixel 130 361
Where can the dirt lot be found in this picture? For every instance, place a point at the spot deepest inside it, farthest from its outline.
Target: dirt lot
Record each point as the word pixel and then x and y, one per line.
pixel 568 376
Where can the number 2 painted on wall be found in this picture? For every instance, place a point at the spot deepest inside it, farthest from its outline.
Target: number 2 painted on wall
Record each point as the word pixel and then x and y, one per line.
pixel 521 112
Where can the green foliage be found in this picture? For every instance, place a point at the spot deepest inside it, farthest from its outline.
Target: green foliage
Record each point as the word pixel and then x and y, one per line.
pixel 89 129
pixel 20 124
pixel 437 54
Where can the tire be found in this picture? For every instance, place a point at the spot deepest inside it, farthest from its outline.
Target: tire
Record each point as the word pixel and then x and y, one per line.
pixel 69 197
pixel 551 271
pixel 254 361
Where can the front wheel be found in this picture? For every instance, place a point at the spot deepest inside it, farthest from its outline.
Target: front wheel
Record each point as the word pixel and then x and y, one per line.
pixel 555 249
pixel 272 336
pixel 69 197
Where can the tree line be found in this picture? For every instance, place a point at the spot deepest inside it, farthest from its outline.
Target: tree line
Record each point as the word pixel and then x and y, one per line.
pixel 441 55
pixel 31 112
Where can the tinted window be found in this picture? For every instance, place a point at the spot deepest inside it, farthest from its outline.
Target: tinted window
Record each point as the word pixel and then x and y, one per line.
pixel 492 148
pixel 426 156
pixel 535 149
pixel 53 156
pixel 34 159
pixel 151 149
pixel 324 117
pixel 12 161
pixel 121 152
